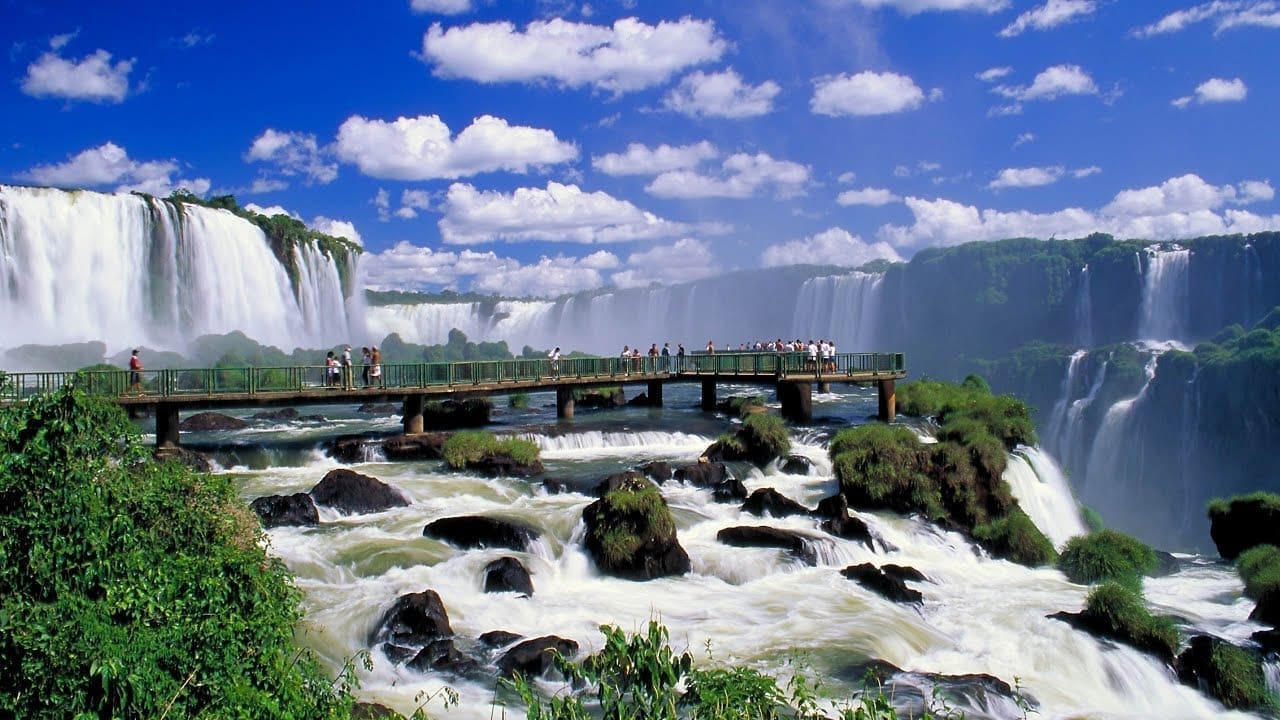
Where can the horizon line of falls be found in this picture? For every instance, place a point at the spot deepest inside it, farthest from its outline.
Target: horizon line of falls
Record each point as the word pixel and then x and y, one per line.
pixel 133 270
pixel 728 311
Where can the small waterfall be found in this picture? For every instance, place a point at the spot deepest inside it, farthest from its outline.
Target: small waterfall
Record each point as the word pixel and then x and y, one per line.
pixel 1058 416
pixel 1112 463
pixel 1255 286
pixel 616 443
pixel 1166 295
pixel 1084 309
pixel 1188 453
pixel 1043 492
pixel 844 308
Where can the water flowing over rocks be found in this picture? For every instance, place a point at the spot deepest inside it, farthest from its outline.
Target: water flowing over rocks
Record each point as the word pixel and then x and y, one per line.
pixel 286 415
pixel 836 520
pixel 193 459
pixel 796 465
pixel 351 493
pixel 286 510
pixel 536 657
pixel 800 546
pixel 889 585
pixel 631 534
pixel 477 531
pixel 507 575
pixel 1103 628
pixel 411 623
pixel 913 693
pixel 206 421
pixel 729 491
pixel 702 474
pixel 767 501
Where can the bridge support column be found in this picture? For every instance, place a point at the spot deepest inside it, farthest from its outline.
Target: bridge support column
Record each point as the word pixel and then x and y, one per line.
pixel 564 402
pixel 888 401
pixel 708 395
pixel 166 426
pixel 412 415
pixel 655 393
pixel 824 387
pixel 797 400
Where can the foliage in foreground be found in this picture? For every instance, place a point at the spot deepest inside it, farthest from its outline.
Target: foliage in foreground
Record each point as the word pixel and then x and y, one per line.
pixel 1120 611
pixel 1107 555
pixel 1238 679
pixel 469 447
pixel 1259 568
pixel 134 589
pixel 639 676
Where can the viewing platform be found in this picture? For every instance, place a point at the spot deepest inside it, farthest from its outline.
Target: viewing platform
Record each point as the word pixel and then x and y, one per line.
pixel 168 392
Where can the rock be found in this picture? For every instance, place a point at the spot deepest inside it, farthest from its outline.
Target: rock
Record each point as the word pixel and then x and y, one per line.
pixel 554 486
pixel 456 414
pixel 1100 627
pixel 283 415
pixel 379 409
pixel 410 624
pixel 535 657
pixel 703 474
pixel 618 480
pixel 767 501
pixel 1242 522
pixel 631 534
pixel 507 575
pixel 478 531
pixel 499 638
pixel 601 398
pixel 373 711
pixel 424 446
pixel 1267 610
pixel 903 572
pixel 441 655
pixel 197 461
pixel 282 510
pixel 874 579
pixel 350 492
pixel 502 465
pixel 211 421
pixel 799 545
pixel 913 693
pixel 352 448
pixel 731 490
pixel 641 400
pixel 796 465
pixel 839 522
pixel 1268 640
pixel 657 471
pixel 1167 564
pixel 1232 675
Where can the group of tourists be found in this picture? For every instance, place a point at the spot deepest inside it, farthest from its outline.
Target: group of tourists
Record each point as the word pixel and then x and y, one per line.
pixel 817 351
pixel 339 368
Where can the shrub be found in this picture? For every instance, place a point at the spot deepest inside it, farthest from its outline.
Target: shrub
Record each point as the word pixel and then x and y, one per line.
pixel 1092 519
pixel 470 447
pixel 744 405
pixel 518 401
pixel 1241 522
pixel 1238 680
pixel 1120 612
pixel 1259 567
pixel 766 435
pixel 1107 555
pixel 1015 537
pixel 879 466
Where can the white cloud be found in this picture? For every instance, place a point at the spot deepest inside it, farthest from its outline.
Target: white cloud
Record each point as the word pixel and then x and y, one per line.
pixel 337 228
pixel 266 185
pixel 1226 14
pixel 110 164
pixel 1216 90
pixel 1052 14
pixel 866 93
pixel 442 7
pixel 1181 207
pixel 1085 172
pixel 1024 138
pixel 993 74
pixel 912 7
pixel 741 176
pixel 721 94
pixel 93 77
pixel 410 266
pixel 867 196
pixel 270 210
pixel 833 246
pixel 684 261
pixel 293 153
pixel 420 148
pixel 642 160
pixel 1052 83
pixel 847 177
pixel 629 55
pixel 560 213
pixel 417 199
pixel 1026 177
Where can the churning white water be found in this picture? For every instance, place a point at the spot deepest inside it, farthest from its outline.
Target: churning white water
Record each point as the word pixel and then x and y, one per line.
pixel 134 270
pixel 1042 490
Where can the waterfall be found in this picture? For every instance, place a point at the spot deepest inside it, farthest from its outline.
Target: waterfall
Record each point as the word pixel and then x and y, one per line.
pixel 134 270
pixel 1188 453
pixel 1166 295
pixel 1058 416
pixel 845 308
pixel 1113 464
pixel 1084 309
pixel 1044 494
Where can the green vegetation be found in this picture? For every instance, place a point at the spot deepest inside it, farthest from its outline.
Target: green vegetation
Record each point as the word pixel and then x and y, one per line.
pixel 1120 612
pixel 765 434
pixel 644 513
pixel 1092 519
pixel 1238 680
pixel 958 479
pixel 1259 567
pixel 1244 521
pixel 1107 556
pixel 134 589
pixel 743 405
pixel 518 400
pixel 470 447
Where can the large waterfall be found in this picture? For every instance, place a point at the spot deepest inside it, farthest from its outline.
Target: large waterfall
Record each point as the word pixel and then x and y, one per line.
pixel 1166 295
pixel 135 270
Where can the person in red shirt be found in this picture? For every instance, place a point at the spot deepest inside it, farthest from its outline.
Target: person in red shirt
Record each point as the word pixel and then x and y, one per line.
pixel 135 372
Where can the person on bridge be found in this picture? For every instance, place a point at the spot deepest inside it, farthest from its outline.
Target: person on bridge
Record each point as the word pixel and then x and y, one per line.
pixel 366 359
pixel 554 357
pixel 135 372
pixel 347 381
pixel 375 357
pixel 330 370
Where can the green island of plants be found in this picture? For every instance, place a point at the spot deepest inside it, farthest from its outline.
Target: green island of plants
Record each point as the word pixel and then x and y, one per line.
pixel 645 515
pixel 470 447
pixel 1107 556
pixel 1237 679
pixel 956 481
pixel 760 439
pixel 1118 611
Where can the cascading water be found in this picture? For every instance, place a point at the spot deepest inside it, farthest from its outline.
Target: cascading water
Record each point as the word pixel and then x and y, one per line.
pixel 135 270
pixel 1189 444
pixel 841 307
pixel 1166 295
pixel 1056 426
pixel 1043 492
pixel 1084 309
pixel 1114 463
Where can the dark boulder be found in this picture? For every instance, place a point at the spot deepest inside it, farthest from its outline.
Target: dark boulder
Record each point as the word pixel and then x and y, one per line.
pixel 410 624
pixel 657 471
pixel 352 448
pixel 507 575
pixel 282 415
pixel 702 474
pixel 503 465
pixel 1267 610
pixel 350 492
pixel 441 655
pixel 914 693
pixel 211 421
pixel 767 501
pixel 456 414
pixel 536 657
pixel 1166 564
pixel 282 510
pixel 641 400
pixel 1243 522
pixel 1104 628
pixel 553 486
pixel 796 465
pixel 727 491
pixel 600 398
pixel 887 586
pixel 499 638
pixel 903 572
pixel 197 461
pixel 631 533
pixel 423 446
pixel 616 481
pixel 799 545
pixel 1232 675
pixel 379 409
pixel 478 531
pixel 1268 640
pixel 836 520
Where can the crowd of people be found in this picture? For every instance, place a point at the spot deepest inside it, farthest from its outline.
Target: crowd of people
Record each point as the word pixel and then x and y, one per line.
pixel 823 350
pixel 339 368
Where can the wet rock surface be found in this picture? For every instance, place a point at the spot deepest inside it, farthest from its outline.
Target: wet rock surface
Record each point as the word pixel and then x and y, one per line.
pixel 352 493
pixel 297 509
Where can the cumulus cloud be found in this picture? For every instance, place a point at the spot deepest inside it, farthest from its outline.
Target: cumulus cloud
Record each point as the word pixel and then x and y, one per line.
pixel 847 177
pixel 867 196
pixel 93 77
pixel 293 154
pixel 411 266
pixel 270 210
pixel 741 176
pixel 110 164
pixel 1050 84
pixel 422 148
pixel 685 260
pixel 1224 14
pixel 559 213
pixel 993 74
pixel 833 246
pixel 441 7
pixel 1052 14
pixel 1215 90
pixel 411 201
pixel 866 93
pixel 721 94
pixel 912 7
pixel 1027 177
pixel 337 228
pixel 1024 138
pixel 1180 207
pixel 629 55
pixel 640 159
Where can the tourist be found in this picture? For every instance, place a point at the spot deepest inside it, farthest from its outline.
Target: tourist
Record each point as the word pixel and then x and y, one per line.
pixel 666 357
pixel 330 370
pixel 554 357
pixel 711 348
pixel 679 357
pixel 135 372
pixel 375 357
pixel 813 355
pixel 347 380
pixel 366 359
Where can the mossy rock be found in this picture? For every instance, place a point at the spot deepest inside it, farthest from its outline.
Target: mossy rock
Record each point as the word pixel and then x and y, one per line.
pixel 487 454
pixel 1241 522
pixel 456 414
pixel 761 439
pixel 631 533
pixel 1231 675
pixel 1117 612
pixel 1107 555
pixel 1015 537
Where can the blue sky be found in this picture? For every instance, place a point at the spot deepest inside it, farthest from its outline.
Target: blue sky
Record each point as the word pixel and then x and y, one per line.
pixel 535 147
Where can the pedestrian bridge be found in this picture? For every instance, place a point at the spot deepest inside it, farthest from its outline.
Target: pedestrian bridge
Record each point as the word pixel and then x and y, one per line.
pixel 170 391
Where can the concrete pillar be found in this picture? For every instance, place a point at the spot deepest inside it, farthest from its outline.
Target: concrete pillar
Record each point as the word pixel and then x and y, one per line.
pixel 655 393
pixel 708 395
pixel 824 387
pixel 166 426
pixel 888 401
pixel 797 400
pixel 412 415
pixel 564 402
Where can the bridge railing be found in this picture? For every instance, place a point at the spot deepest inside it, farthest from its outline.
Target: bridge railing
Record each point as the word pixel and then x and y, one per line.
pixel 179 383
